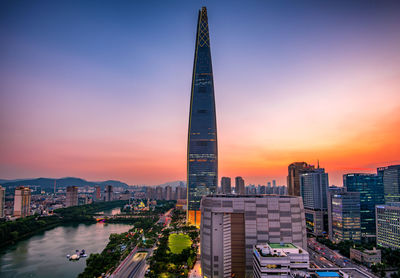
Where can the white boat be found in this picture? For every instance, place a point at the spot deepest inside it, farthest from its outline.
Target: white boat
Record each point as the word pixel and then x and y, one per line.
pixel 74 257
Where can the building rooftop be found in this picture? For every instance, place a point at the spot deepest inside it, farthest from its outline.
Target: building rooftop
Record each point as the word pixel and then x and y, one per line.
pixel 283 245
pixel 278 249
pixel 389 204
pixel 327 274
pixel 248 196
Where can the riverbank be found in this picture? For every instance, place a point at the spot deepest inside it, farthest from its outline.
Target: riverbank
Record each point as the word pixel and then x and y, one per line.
pixel 144 234
pixel 13 231
pixel 44 254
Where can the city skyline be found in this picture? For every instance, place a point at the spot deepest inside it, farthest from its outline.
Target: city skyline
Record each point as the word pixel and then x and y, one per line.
pixel 294 83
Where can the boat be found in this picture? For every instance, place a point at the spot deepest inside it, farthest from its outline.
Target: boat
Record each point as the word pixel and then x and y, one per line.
pixel 83 253
pixel 74 257
pixel 77 255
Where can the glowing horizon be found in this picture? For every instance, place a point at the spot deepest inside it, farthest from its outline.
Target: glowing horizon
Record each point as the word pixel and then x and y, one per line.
pixel 102 92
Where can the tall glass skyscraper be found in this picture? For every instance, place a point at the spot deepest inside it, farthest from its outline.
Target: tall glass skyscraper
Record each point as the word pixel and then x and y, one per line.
pixel 370 187
pixel 391 182
pixel 344 216
pixel 314 189
pixel 202 155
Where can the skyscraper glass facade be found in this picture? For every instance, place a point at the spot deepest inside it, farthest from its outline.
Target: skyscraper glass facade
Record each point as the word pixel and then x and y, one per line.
pixel 344 212
pixel 202 155
pixel 391 182
pixel 370 187
pixel 314 189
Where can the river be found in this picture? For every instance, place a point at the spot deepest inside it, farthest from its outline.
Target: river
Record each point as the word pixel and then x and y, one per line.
pixel 44 255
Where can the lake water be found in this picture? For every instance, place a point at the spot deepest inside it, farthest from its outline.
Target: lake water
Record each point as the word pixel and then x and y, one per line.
pixel 44 255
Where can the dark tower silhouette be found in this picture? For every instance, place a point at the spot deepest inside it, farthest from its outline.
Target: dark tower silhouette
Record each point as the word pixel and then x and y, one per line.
pixel 202 153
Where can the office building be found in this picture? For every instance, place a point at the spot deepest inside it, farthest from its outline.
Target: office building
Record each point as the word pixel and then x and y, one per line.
pixel 388 225
pixel 72 196
pixel 108 193
pixel 370 187
pixel 284 260
pixel 344 216
pixel 2 201
pixel 391 182
pixel 202 149
pixel 233 224
pixel 226 185
pixel 239 186
pixel 365 256
pixel 22 201
pixel 293 179
pixel 314 190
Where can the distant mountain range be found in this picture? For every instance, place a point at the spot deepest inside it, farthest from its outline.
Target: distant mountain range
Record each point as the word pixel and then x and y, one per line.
pixel 172 183
pixel 48 183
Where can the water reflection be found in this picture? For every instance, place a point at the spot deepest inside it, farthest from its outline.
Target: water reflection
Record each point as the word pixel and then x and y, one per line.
pixel 44 255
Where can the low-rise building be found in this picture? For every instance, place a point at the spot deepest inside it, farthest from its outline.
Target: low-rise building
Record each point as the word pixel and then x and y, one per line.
pixel 282 260
pixel 365 256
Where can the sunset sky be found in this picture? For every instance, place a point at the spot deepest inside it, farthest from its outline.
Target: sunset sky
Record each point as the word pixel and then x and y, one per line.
pixel 101 89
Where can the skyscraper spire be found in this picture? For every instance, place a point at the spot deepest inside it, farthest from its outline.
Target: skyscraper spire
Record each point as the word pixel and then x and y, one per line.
pixel 202 153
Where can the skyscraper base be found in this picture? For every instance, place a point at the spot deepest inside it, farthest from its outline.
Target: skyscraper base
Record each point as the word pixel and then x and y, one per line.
pixel 194 217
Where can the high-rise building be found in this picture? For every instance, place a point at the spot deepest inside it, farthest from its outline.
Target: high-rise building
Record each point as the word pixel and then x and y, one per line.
pixel 344 216
pixel 159 193
pixel 2 201
pixel 231 225
pixel 391 182
pixel 370 187
pixel 282 190
pixel 314 189
pixel 226 185
pixel 293 179
pixel 72 196
pixel 108 193
pixel 22 201
pixel 239 186
pixel 202 153
pixel 388 225
pixel 168 193
pixel 97 193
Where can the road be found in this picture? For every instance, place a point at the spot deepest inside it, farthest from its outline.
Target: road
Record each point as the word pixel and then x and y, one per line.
pixel 134 267
pixel 323 257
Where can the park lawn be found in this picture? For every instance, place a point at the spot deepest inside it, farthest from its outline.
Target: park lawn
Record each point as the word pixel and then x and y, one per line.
pixel 178 242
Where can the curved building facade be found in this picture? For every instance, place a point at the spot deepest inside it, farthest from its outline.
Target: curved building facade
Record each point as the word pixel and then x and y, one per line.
pixel 232 225
pixel 202 152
